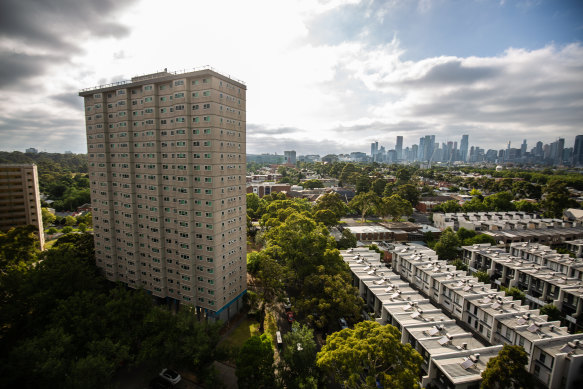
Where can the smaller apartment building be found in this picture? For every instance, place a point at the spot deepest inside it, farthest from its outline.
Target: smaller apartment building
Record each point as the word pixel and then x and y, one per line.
pixel 20 198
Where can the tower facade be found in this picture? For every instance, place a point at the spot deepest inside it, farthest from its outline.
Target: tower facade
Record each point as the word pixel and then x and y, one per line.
pixel 20 198
pixel 167 172
pixel 464 148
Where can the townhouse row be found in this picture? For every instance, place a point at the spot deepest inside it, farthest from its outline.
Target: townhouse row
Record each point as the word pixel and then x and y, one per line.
pixel 457 323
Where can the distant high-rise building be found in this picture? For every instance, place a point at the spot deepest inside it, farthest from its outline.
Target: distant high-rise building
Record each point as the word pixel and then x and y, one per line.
pixel 464 148
pixel 290 157
pixel 523 148
pixel 578 151
pixel 20 198
pixel 167 175
pixel 399 148
pixel 421 149
pixel 539 150
pixel 374 149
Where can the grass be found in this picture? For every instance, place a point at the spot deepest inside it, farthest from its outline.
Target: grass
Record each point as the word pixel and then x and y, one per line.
pixel 49 244
pixel 246 329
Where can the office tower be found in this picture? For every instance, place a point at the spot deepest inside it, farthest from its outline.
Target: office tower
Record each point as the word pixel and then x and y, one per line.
pixel 399 148
pixel 20 198
pixel 578 151
pixel 464 148
pixel 556 151
pixel 538 152
pixel 523 148
pixel 290 157
pixel 167 174
pixel 374 149
pixel 421 149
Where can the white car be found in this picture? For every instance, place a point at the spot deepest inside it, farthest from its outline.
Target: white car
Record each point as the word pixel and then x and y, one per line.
pixel 171 376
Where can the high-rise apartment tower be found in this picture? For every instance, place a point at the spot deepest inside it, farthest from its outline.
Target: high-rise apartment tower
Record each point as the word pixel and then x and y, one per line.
pixel 20 198
pixel 167 172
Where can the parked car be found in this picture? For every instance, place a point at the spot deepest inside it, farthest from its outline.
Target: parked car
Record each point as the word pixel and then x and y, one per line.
pixel 290 317
pixel 171 376
pixel 343 323
pixel 287 304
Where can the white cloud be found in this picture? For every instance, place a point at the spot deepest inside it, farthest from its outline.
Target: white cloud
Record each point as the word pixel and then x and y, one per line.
pixel 308 94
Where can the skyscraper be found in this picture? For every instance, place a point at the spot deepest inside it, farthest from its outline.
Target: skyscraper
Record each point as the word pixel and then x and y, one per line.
pixel 290 157
pixel 167 173
pixel 399 148
pixel 578 151
pixel 374 149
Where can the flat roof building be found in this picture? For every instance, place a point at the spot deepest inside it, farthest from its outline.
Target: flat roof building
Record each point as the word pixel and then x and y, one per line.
pixel 167 174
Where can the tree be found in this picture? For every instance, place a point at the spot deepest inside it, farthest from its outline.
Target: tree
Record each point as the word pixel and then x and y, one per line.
pixel 507 370
pixel 325 298
pixel 347 241
pixel 362 184
pixel 368 355
pixel 447 246
pixel 312 184
pixel 378 186
pixel 556 199
pixel 347 175
pixel 48 217
pixel 253 202
pixel 448 207
pixel 301 245
pixel 255 364
pixel 475 192
pixel 551 311
pixel 365 203
pixel 332 202
pixel 501 201
pixel 298 368
pixel 482 276
pixel 67 229
pixel 409 192
pixel 326 217
pixel 18 245
pixel 474 205
pixel 396 206
pixel 83 227
pixel 70 221
pixel 514 292
pixel 526 206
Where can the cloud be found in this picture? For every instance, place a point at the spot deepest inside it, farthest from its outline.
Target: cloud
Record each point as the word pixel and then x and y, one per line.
pixel 35 34
pixel 69 98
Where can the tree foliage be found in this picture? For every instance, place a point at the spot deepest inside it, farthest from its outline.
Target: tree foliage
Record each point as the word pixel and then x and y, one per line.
pixel 370 353
pixel 255 364
pixel 365 203
pixel 298 367
pixel 447 246
pixel 551 311
pixel 507 370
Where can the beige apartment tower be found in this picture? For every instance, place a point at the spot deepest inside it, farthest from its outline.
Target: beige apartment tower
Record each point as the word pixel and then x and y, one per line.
pixel 20 198
pixel 167 171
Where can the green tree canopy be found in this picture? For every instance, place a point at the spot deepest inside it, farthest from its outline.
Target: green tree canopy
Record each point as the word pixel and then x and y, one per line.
pixel 255 364
pixel 447 246
pixel 312 184
pixel 551 311
pixel 507 370
pixel 370 352
pixel 396 206
pixel 331 202
pixel 409 192
pixel 298 369
pixel 325 298
pixel 365 203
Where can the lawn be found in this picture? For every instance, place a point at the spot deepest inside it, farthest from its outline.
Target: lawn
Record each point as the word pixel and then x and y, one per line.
pixel 246 329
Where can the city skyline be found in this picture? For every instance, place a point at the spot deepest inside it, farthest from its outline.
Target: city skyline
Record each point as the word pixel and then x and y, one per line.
pixel 326 77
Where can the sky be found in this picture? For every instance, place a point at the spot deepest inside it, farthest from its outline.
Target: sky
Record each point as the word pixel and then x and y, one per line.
pixel 322 76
